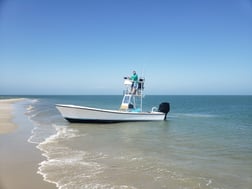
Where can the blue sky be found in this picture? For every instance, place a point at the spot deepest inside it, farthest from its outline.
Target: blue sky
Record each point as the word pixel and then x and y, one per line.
pixel 181 47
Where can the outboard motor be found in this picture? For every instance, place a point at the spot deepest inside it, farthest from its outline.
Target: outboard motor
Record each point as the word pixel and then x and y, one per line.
pixel 165 108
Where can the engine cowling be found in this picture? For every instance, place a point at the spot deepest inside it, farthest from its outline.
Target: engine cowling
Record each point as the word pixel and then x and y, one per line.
pixel 164 107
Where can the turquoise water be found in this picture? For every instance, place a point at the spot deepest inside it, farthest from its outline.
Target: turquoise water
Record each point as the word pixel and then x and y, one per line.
pixel 205 143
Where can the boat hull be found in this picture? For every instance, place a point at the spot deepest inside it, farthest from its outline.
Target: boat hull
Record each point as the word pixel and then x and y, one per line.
pixel 82 114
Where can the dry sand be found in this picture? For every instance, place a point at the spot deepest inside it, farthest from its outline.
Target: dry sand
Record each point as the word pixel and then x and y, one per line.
pixel 18 158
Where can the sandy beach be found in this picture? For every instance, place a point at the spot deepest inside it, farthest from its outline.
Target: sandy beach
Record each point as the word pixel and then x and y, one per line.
pixel 6 111
pixel 18 158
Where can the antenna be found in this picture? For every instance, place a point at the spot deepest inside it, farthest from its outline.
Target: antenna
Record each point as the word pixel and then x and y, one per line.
pixel 142 73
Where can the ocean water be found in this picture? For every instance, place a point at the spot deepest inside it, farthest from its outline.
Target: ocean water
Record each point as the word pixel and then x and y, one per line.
pixel 206 143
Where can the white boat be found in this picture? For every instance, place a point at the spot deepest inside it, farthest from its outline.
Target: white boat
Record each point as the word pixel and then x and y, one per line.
pixel 130 109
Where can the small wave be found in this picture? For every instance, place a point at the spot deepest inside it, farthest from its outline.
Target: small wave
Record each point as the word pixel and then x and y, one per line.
pixel 29 108
pixel 71 168
pixel 64 132
pixel 35 100
pixel 209 182
pixel 194 115
pixel 128 158
pixel 40 132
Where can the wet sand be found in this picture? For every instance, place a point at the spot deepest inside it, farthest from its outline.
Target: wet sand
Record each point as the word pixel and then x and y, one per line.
pixel 6 111
pixel 18 158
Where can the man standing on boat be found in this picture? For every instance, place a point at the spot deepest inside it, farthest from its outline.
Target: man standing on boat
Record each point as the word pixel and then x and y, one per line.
pixel 134 79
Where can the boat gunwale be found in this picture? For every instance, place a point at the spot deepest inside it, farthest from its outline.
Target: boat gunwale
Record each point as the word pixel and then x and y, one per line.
pixel 108 111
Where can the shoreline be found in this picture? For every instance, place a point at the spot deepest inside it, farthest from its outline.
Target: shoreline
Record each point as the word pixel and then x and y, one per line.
pixel 19 159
